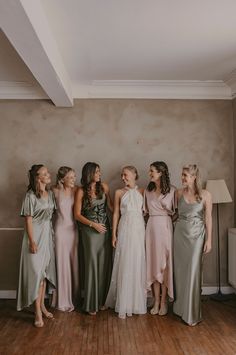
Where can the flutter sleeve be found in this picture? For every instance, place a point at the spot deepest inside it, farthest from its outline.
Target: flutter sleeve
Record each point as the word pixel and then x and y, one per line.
pixel 27 208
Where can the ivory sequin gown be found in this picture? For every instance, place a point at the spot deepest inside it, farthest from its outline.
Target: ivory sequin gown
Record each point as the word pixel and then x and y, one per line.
pixel 127 292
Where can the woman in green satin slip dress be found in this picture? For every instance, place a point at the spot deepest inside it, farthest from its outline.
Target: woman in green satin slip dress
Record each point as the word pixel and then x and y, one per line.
pixel 37 264
pixel 91 202
pixel 192 238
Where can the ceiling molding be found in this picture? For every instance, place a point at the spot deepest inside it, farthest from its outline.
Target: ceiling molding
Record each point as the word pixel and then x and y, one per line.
pixel 154 89
pixel 25 24
pixel 129 89
pixel 21 90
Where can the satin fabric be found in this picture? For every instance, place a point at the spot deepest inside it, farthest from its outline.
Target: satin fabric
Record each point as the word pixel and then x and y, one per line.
pixel 34 268
pixel 66 247
pixel 189 236
pixel 95 257
pixel 159 239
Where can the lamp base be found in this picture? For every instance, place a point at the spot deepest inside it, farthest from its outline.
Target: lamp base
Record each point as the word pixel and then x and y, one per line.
pixel 221 297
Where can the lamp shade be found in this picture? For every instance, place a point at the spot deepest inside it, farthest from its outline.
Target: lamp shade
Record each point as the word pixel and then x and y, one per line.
pixel 219 191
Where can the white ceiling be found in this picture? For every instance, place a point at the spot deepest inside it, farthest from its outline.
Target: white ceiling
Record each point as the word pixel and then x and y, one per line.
pixel 113 46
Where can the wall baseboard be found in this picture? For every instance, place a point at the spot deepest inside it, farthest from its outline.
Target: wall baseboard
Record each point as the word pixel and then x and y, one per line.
pixel 9 294
pixel 206 290
pixel 210 290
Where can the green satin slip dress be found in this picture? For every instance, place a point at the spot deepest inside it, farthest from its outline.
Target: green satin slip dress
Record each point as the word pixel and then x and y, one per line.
pixel 95 256
pixel 189 236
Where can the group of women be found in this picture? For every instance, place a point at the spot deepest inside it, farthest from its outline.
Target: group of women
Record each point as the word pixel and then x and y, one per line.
pixel 148 260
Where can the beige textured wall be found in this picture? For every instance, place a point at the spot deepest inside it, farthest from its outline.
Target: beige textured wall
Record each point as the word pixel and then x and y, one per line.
pixel 112 133
pixel 234 134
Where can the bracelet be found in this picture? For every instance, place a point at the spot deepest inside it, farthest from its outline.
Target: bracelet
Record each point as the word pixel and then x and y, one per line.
pixel 90 224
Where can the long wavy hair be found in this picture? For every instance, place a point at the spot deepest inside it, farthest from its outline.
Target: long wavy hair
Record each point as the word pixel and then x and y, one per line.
pixel 62 172
pixel 33 179
pixel 193 170
pixel 87 179
pixel 162 168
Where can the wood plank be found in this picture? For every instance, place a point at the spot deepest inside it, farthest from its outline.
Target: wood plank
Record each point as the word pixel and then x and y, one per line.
pixel 105 334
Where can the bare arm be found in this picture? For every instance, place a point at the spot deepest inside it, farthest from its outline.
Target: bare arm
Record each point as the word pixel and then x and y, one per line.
pixel 107 192
pixel 178 194
pixel 116 217
pixel 99 227
pixel 208 222
pixel 29 230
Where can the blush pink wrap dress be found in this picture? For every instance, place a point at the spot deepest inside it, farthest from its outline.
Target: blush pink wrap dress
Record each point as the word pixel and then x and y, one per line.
pixel 159 239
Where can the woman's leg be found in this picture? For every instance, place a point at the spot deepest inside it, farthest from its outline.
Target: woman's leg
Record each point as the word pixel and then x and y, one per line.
pixel 164 308
pixel 43 308
pixel 156 289
pixel 38 322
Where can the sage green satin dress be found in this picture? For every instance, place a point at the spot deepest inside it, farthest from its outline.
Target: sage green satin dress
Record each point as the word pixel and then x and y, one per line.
pixel 34 268
pixel 189 236
pixel 95 256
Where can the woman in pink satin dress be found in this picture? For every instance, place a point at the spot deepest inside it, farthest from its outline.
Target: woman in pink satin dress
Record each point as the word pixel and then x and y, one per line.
pixel 66 241
pixel 160 206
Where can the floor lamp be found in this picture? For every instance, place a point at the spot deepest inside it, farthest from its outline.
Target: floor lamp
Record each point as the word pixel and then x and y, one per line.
pixel 220 194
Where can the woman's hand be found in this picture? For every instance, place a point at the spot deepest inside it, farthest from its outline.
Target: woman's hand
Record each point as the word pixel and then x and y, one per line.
pixel 114 241
pixel 99 227
pixel 33 247
pixel 207 247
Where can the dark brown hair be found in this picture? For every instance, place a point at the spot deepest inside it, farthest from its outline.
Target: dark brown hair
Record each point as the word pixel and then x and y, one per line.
pixel 162 168
pixel 87 178
pixel 32 176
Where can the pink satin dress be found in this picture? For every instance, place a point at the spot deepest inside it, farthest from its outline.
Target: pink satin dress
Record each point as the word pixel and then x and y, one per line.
pixel 159 239
pixel 66 247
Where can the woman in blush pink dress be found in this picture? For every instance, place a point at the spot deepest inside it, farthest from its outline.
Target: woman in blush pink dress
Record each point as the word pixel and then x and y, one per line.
pixel 66 240
pixel 159 201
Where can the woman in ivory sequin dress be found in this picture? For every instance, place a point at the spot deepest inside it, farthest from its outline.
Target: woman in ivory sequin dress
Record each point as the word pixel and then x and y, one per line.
pixel 127 292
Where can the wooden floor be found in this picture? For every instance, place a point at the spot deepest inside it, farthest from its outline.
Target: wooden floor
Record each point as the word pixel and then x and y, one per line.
pixel 76 333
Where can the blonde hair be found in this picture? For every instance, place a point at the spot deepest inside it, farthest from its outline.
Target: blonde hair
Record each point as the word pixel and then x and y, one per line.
pixel 193 170
pixel 62 172
pixel 132 169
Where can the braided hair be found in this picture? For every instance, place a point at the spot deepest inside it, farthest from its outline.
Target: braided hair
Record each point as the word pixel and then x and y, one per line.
pixel 62 172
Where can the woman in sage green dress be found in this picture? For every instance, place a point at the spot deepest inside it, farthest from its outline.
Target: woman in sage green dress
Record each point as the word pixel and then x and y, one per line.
pixel 192 238
pixel 91 202
pixel 37 263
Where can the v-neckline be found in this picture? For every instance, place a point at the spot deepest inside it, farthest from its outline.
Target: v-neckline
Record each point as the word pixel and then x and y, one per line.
pixel 189 203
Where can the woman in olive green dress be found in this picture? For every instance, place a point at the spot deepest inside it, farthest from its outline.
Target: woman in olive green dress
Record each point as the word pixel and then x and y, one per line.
pixel 91 202
pixel 192 238
pixel 37 264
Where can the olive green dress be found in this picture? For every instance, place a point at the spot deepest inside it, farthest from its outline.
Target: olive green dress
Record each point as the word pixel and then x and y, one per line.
pixel 34 268
pixel 189 236
pixel 95 256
